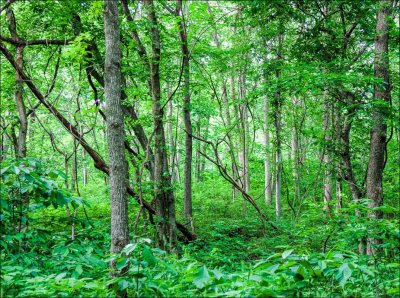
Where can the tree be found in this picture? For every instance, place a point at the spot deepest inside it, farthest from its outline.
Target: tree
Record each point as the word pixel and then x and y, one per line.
pixel 278 127
pixel 115 131
pixel 164 196
pixel 382 99
pixel 188 213
pixel 18 94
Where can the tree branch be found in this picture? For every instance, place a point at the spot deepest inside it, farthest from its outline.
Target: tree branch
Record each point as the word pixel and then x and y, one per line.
pixel 47 42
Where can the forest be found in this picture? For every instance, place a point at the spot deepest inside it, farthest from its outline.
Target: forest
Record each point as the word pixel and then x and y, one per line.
pixel 188 148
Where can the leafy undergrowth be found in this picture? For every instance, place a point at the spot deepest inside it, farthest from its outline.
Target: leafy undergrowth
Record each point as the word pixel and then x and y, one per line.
pixel 51 265
pixel 314 257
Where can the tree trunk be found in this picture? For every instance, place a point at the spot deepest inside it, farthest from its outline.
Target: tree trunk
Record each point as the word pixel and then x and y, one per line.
pixel 164 196
pixel 297 124
pixel 115 131
pixel 346 157
pixel 267 164
pixel 376 163
pixel 338 192
pixel 277 105
pixel 228 124
pixel 19 59
pixel 243 139
pixel 246 130
pixel 85 176
pixel 171 142
pixel 198 147
pixel 23 121
pixel 327 162
pixel 188 213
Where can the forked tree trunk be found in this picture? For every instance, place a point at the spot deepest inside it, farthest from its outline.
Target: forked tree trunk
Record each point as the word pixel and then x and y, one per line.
pixel 164 196
pixel 115 132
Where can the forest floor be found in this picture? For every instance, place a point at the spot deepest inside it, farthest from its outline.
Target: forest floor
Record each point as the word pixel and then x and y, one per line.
pixel 313 257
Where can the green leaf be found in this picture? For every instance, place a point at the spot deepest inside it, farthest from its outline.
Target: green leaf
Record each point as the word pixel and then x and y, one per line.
pixel 394 290
pixel 286 253
pixel 121 263
pixel 16 169
pixel 123 284
pixel 129 248
pixel 4 170
pixel 202 278
pixel 61 276
pixel 149 257
pixel 273 268
pixel 78 271
pixel 344 273
pixel 61 199
pixel 218 274
pixel 168 267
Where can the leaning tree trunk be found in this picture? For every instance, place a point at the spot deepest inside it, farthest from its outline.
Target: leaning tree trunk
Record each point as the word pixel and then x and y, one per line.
pixel 376 161
pixel 115 132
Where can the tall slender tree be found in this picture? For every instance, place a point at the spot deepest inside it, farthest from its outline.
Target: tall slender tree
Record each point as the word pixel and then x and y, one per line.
pixel 18 93
pixel 188 213
pixel 115 131
pixel 376 163
pixel 278 128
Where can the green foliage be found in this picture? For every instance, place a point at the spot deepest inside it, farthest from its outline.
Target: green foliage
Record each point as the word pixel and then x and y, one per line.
pixel 230 259
pixel 283 273
pixel 326 65
pixel 26 186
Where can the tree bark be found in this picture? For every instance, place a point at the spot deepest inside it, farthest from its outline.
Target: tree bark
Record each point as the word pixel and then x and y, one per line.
pixel 267 163
pixel 278 105
pixel 198 147
pixel 171 142
pixel 115 132
pixel 18 97
pixel 346 157
pixel 296 133
pixel 188 213
pixel 327 162
pixel 376 163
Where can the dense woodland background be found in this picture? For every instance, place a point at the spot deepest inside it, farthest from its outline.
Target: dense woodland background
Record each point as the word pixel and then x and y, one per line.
pixel 220 148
